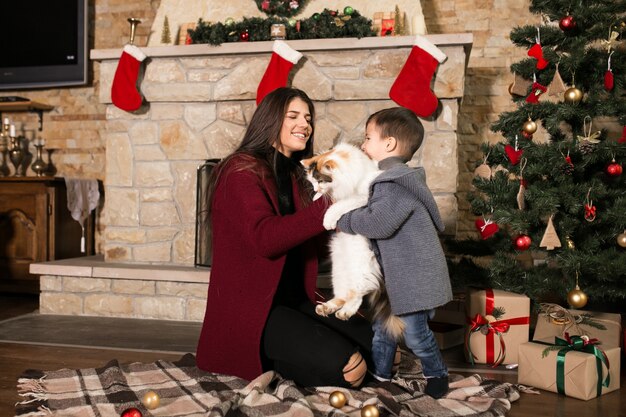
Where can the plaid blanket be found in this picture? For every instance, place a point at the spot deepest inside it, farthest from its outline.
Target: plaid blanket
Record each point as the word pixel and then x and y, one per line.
pixel 185 390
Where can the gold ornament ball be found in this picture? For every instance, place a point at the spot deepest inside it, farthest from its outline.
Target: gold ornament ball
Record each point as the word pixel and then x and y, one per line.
pixel 621 239
pixel 337 399
pixel 577 298
pixel 573 95
pixel 570 243
pixel 370 411
pixel 151 400
pixel 529 127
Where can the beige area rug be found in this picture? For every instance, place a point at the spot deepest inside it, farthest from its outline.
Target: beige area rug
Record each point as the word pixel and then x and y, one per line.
pixel 184 390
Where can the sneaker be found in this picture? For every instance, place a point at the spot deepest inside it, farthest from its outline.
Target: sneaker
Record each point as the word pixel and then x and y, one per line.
pixel 437 387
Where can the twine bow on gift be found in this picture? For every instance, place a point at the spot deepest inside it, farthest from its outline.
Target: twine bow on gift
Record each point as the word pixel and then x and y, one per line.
pixel 579 344
pixel 481 324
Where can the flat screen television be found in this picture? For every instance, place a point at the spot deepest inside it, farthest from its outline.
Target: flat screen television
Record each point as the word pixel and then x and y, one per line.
pixel 43 43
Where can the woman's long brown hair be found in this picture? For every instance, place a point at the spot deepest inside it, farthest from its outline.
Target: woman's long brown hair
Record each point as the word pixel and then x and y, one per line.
pixel 261 140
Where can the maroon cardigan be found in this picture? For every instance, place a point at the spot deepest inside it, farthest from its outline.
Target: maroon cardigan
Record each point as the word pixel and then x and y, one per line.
pixel 250 243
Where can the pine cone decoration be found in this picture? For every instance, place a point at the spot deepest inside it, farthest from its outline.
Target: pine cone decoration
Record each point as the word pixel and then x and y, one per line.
pixel 567 168
pixel 586 147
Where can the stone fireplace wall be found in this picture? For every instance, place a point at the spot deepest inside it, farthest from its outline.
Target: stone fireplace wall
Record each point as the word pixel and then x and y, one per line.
pixel 199 100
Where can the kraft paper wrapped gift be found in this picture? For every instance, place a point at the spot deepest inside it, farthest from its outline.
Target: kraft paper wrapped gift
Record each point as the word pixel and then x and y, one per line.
pixel 606 327
pixel 498 324
pixel 579 373
pixel 447 335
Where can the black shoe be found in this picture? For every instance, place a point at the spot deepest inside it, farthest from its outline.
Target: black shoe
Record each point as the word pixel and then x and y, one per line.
pixel 436 387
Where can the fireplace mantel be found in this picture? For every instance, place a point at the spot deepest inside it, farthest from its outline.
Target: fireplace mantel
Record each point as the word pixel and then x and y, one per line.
pixel 305 45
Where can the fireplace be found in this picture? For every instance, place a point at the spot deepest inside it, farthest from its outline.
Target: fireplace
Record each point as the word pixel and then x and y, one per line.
pixel 199 100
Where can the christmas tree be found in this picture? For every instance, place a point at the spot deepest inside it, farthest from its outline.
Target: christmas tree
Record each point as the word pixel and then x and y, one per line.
pixel 550 197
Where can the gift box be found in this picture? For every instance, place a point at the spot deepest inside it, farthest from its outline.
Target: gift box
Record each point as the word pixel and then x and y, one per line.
pixel 556 321
pixel 498 322
pixel 452 312
pixel 565 370
pixel 447 335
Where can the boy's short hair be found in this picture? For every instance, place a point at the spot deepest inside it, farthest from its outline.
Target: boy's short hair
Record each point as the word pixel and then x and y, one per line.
pixel 402 124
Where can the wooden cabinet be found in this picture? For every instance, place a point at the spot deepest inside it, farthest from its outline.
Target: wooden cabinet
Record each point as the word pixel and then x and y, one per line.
pixel 36 226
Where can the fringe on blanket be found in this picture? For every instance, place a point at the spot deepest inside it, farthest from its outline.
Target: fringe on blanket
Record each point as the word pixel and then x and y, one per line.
pixel 36 396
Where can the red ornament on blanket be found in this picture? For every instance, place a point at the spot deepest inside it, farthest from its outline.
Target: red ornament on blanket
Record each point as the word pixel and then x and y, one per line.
pixel 131 412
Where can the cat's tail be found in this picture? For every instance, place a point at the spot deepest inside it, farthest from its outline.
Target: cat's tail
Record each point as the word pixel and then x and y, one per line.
pixel 381 311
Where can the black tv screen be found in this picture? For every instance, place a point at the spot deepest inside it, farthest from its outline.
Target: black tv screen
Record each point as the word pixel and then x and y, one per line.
pixel 44 44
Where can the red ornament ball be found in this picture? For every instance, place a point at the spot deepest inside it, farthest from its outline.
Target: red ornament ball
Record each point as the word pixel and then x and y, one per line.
pixel 567 23
pixel 131 412
pixel 613 169
pixel 244 36
pixel 522 242
pixel 527 135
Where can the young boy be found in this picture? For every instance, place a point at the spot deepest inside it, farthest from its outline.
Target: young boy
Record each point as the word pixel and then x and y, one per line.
pixel 402 221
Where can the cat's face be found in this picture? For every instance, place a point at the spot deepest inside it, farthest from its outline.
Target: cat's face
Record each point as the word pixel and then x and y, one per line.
pixel 319 174
pixel 337 172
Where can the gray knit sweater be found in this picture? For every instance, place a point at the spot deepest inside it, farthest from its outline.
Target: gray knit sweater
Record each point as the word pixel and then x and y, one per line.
pixel 402 219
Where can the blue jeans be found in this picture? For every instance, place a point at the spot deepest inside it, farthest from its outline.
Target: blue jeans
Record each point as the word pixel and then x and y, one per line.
pixel 418 338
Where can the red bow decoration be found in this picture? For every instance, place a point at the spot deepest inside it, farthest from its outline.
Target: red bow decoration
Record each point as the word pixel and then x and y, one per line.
pixel 514 154
pixel 479 322
pixel 487 228
pixel 590 212
pixel 536 52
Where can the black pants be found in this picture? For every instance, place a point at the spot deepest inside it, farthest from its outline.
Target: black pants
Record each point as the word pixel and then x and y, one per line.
pixel 313 350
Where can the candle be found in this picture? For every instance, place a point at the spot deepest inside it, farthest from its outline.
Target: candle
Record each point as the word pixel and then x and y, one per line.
pixel 12 131
pixel 418 26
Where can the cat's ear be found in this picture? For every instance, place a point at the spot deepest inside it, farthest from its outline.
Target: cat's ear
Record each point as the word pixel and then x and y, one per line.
pixel 328 165
pixel 306 163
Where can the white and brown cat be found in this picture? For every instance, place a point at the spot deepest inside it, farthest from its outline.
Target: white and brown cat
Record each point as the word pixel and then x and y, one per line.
pixel 344 173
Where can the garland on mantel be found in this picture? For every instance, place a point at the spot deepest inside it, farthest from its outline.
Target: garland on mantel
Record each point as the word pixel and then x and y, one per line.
pixel 327 24
pixel 281 8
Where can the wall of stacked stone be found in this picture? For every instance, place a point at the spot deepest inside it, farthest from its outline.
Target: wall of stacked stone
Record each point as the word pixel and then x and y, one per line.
pixel 107 297
pixel 199 108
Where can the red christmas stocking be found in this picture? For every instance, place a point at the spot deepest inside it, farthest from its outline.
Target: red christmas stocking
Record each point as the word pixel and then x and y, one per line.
pixel 283 59
pixel 124 89
pixel 411 89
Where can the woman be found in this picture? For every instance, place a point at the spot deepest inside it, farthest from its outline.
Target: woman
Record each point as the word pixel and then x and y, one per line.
pixel 267 234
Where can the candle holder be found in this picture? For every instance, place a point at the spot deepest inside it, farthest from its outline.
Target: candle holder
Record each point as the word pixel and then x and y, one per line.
pixel 50 168
pixel 133 26
pixel 16 155
pixel 27 156
pixel 39 167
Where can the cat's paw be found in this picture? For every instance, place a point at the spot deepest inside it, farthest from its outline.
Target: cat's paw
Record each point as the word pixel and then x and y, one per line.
pixel 331 218
pixel 343 314
pixel 320 310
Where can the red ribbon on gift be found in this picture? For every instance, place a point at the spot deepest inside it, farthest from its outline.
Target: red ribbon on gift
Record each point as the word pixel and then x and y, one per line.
pixel 493 328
